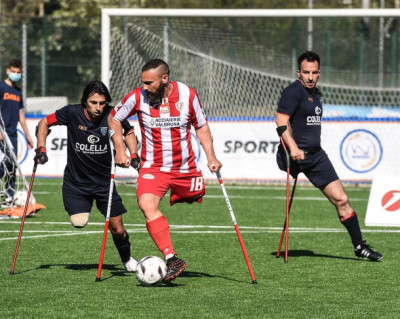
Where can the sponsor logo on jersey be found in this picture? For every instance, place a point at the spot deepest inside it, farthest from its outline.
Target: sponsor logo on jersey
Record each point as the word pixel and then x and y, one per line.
pixel 92 147
pixel 82 128
pixel 174 121
pixel 179 105
pixel 93 139
pixel 315 119
pixel 103 130
pixel 361 151
pixel 164 109
pixel 148 176
pixel 10 96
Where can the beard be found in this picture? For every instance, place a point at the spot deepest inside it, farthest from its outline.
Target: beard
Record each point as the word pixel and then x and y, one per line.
pixel 155 97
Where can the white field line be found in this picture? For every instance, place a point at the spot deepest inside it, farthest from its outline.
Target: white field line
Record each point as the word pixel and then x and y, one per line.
pixel 251 197
pixel 250 187
pixel 182 229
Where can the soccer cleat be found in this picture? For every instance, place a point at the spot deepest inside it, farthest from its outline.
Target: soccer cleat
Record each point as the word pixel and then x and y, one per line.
pixel 175 266
pixel 365 250
pixel 130 265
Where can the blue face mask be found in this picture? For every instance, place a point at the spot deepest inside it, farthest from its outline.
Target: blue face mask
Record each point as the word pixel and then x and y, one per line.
pixel 15 77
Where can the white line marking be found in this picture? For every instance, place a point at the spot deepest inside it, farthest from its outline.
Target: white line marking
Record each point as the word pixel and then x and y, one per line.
pixel 182 229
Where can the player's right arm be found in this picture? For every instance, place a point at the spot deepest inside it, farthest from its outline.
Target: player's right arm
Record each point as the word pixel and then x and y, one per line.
pixel 41 135
pixel 282 119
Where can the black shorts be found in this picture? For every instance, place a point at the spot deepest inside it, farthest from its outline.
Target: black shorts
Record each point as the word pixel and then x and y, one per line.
pixel 79 199
pixel 317 167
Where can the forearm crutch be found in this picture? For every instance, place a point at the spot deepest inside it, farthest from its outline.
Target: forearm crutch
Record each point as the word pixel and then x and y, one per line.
pixel 107 222
pixel 28 198
pixel 228 204
pixel 285 230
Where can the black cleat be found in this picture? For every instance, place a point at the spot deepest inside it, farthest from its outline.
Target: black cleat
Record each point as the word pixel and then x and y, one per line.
pixel 365 251
pixel 175 266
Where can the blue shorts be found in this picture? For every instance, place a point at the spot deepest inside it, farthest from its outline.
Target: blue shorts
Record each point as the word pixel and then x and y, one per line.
pixel 79 199
pixel 316 166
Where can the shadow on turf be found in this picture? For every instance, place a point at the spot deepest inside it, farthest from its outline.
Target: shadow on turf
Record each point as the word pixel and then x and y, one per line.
pixel 309 253
pixel 115 271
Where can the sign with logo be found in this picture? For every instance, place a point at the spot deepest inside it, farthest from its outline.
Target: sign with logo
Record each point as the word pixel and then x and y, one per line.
pixel 384 202
pixel 361 151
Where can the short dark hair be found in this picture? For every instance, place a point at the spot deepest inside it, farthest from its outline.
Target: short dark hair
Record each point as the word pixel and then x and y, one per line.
pixel 15 63
pixel 154 64
pixel 310 56
pixel 94 87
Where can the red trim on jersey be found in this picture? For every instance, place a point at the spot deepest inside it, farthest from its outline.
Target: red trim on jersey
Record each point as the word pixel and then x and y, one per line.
pixel 156 138
pixel 51 119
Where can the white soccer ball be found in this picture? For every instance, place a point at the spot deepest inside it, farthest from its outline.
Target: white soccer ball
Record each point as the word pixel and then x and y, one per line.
pixel 20 198
pixel 151 270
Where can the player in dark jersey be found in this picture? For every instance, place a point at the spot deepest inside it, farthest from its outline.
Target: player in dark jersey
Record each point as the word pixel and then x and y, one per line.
pixel 12 112
pixel 300 111
pixel 87 173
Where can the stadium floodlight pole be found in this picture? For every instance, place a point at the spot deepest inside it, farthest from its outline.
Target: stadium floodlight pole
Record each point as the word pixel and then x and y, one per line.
pixel 246 257
pixel 285 232
pixel 28 198
pixel 107 222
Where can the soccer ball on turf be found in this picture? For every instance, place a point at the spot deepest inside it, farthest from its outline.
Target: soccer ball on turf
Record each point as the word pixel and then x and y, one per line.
pixel 20 198
pixel 151 270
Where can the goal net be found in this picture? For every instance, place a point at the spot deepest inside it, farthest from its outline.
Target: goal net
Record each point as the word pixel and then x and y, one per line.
pixel 13 186
pixel 240 64
pixel 239 61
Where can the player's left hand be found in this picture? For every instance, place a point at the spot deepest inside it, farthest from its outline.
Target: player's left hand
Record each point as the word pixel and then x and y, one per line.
pixel 135 161
pixel 214 165
pixel 41 156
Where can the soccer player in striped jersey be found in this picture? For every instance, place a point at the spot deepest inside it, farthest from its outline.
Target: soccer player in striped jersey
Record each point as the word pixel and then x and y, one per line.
pixel 166 111
pixel 87 173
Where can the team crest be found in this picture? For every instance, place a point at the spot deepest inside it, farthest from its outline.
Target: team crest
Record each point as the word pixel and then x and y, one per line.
pixel 310 99
pixel 103 130
pixel 179 105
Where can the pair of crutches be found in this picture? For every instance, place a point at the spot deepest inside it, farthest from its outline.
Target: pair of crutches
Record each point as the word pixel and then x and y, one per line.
pixel 289 198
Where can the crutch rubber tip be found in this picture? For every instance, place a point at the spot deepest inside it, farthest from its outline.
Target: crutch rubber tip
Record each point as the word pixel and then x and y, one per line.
pixel 11 273
pixel 98 279
pixel 254 282
pixel 286 261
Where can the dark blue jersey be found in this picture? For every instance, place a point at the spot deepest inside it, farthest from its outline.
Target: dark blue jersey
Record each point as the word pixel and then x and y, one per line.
pixel 10 102
pixel 305 111
pixel 88 151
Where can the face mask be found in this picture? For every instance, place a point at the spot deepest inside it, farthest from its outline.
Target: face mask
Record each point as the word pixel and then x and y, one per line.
pixel 15 77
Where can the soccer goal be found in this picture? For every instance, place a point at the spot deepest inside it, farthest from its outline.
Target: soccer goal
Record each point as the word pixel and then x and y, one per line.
pixel 13 186
pixel 240 60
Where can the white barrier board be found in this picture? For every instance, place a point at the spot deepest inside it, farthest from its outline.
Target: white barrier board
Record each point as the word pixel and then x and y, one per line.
pixel 384 202
pixel 359 151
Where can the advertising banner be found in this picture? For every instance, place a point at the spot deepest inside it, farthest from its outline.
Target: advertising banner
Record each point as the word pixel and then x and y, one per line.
pixel 358 150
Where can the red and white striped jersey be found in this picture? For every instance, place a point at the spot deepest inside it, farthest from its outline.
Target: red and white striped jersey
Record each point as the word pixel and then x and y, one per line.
pixel 165 128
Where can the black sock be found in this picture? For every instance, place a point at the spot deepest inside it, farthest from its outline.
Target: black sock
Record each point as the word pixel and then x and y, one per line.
pixel 124 247
pixel 353 228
